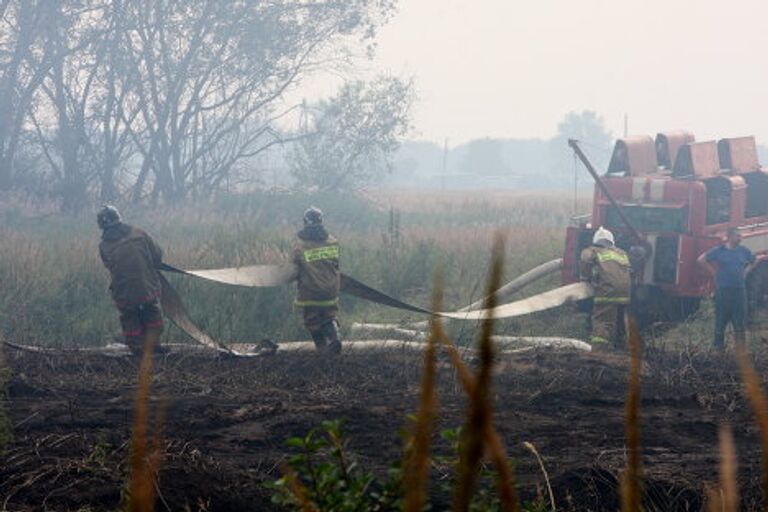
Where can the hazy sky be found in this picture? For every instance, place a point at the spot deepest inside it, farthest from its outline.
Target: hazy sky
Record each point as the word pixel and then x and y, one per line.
pixel 513 68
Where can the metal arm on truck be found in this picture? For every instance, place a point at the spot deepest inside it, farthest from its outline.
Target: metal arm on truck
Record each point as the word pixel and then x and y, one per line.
pixel 635 234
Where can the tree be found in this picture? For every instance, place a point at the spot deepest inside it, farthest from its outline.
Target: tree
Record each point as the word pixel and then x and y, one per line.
pixel 349 140
pixel 485 157
pixel 158 99
pixel 24 62
pixel 587 127
pixel 210 76
pixel 65 115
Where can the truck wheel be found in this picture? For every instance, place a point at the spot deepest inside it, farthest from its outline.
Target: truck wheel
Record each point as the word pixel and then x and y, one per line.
pixel 651 306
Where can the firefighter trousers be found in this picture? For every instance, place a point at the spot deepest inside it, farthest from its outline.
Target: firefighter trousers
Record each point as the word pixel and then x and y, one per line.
pixel 323 326
pixel 137 321
pixel 609 322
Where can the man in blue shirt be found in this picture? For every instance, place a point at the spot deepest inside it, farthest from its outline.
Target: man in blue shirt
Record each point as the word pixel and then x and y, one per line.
pixel 729 263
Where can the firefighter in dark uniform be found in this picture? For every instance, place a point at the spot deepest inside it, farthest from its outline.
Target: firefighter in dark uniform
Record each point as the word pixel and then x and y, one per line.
pixel 317 257
pixel 132 258
pixel 607 268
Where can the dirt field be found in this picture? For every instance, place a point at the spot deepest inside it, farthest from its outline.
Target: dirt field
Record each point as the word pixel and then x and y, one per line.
pixel 225 422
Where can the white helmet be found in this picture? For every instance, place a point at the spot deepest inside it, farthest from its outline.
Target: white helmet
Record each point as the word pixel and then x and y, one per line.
pixel 603 235
pixel 313 216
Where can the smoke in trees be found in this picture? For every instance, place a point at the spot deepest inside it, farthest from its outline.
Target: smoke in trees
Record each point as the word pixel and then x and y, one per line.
pixel 349 140
pixel 157 100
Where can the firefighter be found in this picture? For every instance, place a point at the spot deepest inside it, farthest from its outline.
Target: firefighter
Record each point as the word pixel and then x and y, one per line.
pixel 132 258
pixel 729 264
pixel 317 257
pixel 607 268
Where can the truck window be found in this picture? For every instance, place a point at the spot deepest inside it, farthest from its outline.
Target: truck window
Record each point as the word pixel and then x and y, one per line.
pixel 757 194
pixel 649 218
pixel 718 200
pixel 665 259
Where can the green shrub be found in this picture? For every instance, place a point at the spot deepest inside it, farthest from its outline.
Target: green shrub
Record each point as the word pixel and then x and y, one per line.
pixel 334 482
pixel 330 477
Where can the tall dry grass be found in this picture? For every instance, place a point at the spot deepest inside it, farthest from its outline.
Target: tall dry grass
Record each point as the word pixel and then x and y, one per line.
pixel 725 498
pixel 299 490
pixel 145 457
pixel 479 437
pixel 417 464
pixel 54 285
pixel 758 400
pixel 631 490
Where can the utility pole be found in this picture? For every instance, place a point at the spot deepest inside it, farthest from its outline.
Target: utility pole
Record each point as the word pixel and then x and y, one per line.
pixel 626 125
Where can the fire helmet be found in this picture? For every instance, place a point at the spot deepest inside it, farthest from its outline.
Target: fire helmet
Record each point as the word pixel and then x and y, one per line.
pixel 108 216
pixel 313 216
pixel 603 236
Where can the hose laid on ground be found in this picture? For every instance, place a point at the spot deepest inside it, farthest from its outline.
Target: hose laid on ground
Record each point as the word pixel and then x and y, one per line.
pixel 520 282
pixel 503 342
pixel 276 275
pixel 510 288
pixel 254 350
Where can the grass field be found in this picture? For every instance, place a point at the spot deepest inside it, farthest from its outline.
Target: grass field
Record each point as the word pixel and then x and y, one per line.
pixel 54 288
pixel 563 427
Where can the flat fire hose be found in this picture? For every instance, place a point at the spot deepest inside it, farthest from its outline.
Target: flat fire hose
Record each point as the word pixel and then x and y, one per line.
pixel 276 275
pixel 259 276
pixel 174 309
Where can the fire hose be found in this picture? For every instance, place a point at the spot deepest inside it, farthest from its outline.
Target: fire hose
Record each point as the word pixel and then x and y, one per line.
pixel 277 275
pixel 256 276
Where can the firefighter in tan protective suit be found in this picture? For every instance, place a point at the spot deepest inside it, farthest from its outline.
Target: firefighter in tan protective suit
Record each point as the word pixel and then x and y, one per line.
pixel 132 258
pixel 607 268
pixel 317 258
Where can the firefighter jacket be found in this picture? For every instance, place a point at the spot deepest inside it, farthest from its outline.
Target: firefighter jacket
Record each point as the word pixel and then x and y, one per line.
pixel 317 257
pixel 132 258
pixel 609 271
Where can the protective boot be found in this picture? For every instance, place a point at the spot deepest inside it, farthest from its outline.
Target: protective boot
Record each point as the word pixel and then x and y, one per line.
pixel 331 332
pixel 320 342
pixel 267 346
pixel 152 337
pixel 135 344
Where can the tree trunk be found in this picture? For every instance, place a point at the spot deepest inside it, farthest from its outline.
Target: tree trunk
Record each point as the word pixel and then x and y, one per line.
pixel 8 91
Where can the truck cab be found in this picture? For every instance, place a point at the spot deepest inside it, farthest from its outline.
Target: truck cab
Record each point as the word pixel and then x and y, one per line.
pixel 680 196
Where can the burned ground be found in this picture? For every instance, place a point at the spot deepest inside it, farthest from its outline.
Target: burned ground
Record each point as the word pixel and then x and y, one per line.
pixel 224 422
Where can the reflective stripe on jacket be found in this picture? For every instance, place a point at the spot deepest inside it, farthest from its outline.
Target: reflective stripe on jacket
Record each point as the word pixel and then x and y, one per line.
pixel 611 300
pixel 609 271
pixel 318 280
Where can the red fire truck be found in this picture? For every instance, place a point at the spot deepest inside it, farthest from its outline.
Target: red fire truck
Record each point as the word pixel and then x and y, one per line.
pixel 675 198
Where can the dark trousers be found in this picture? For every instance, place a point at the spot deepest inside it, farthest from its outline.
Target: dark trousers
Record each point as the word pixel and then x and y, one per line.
pixel 730 307
pixel 322 325
pixel 609 323
pixel 316 317
pixel 137 320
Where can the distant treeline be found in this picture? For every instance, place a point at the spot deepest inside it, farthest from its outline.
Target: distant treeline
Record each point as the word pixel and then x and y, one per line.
pixel 527 164
pixel 149 102
pixel 507 163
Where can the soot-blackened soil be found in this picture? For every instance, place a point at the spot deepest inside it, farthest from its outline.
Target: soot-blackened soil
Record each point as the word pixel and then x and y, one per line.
pixel 224 423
